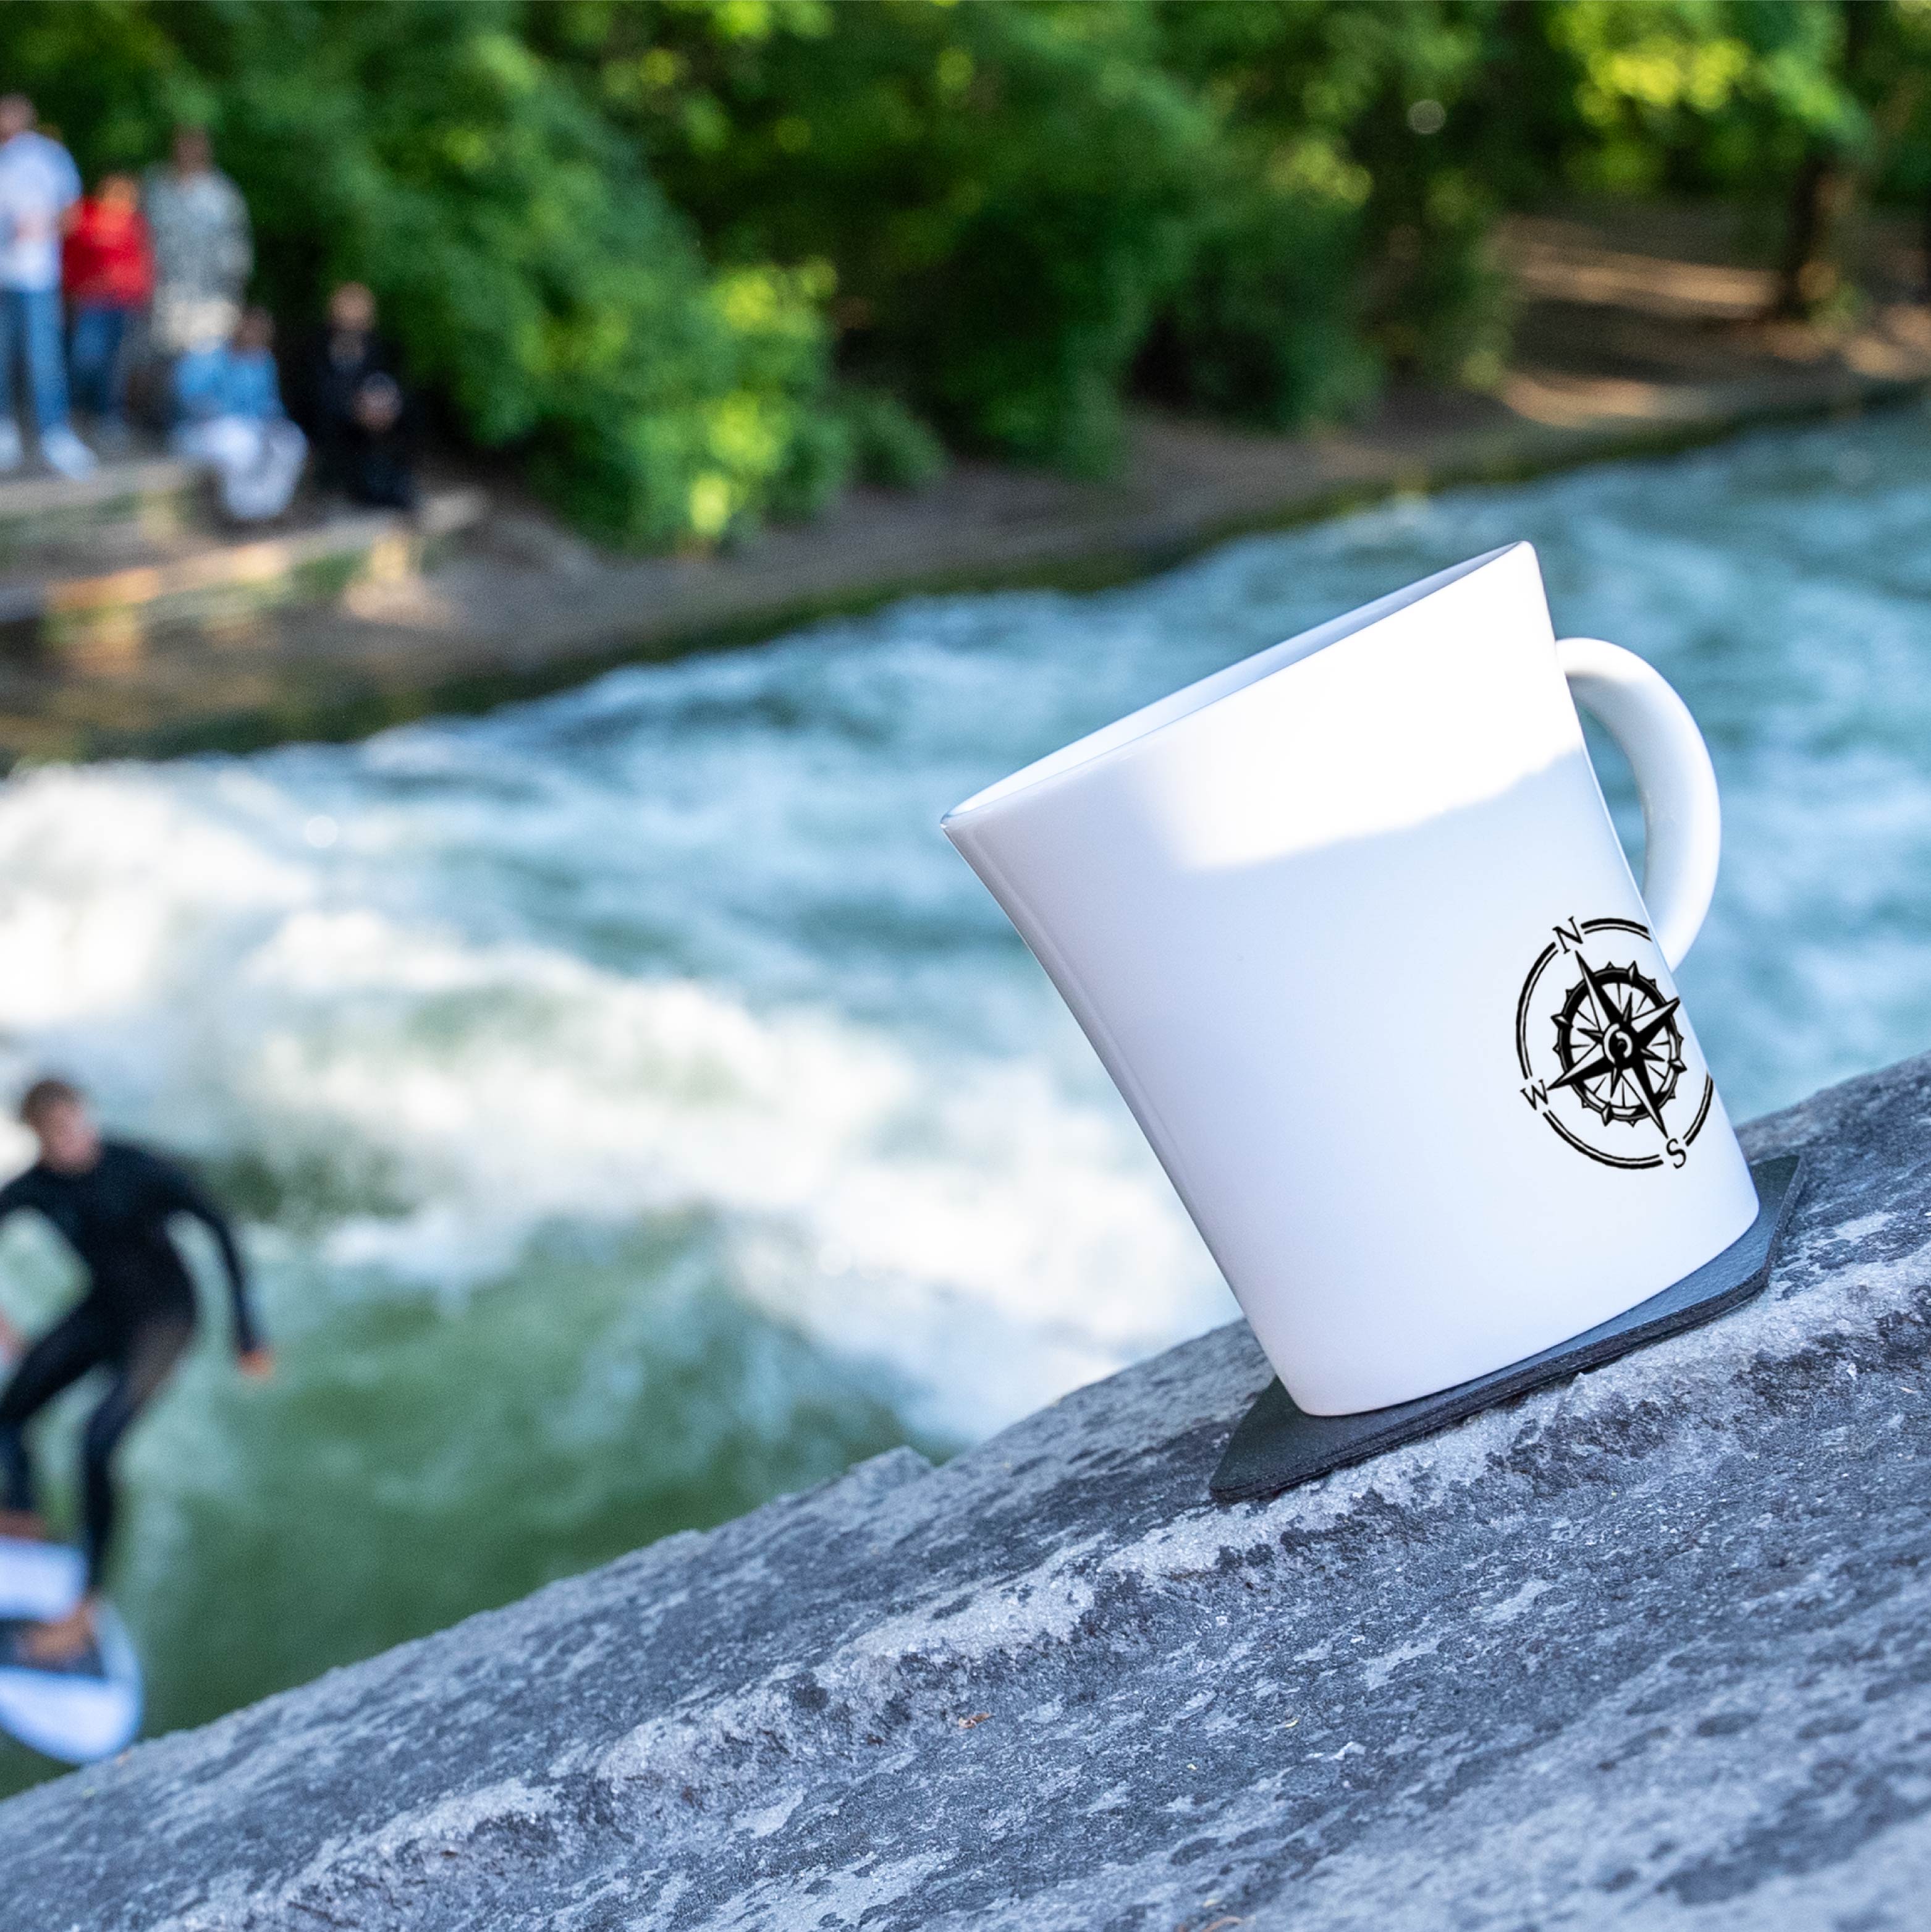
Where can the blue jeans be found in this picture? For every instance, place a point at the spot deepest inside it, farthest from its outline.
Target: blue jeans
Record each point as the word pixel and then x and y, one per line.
pixel 94 359
pixel 30 327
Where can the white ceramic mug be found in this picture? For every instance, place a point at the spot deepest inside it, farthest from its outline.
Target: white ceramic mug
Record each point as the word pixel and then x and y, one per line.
pixel 1350 927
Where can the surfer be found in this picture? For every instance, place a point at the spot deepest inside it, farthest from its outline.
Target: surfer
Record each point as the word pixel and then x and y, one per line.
pixel 112 1202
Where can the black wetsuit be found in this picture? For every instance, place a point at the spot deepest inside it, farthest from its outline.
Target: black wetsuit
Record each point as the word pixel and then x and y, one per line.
pixel 135 1318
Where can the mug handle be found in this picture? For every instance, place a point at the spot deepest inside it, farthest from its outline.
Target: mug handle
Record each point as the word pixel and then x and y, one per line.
pixel 1682 821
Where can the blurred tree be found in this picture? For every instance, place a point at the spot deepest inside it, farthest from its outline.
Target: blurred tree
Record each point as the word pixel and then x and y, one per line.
pixel 1004 192
pixel 701 261
pixel 530 268
pixel 1819 100
pixel 1358 157
pixel 1887 72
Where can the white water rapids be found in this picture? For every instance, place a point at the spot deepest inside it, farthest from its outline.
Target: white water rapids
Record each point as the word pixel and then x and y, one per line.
pixel 636 1106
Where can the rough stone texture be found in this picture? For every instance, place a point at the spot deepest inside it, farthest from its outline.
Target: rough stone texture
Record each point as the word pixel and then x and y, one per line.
pixel 1653 1647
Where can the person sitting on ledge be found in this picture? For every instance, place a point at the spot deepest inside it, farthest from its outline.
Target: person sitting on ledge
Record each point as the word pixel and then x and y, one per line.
pixel 112 1201
pixel 361 420
pixel 229 404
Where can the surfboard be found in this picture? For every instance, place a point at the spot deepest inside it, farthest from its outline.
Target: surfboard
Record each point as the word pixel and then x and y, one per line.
pixel 80 1714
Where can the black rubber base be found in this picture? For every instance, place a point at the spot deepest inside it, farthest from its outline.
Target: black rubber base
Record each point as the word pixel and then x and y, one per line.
pixel 1276 1447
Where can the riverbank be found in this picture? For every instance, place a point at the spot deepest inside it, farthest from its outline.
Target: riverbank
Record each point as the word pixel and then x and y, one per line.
pixel 1638 335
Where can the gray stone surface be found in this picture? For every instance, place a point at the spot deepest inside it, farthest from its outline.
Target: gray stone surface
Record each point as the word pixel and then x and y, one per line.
pixel 1652 1647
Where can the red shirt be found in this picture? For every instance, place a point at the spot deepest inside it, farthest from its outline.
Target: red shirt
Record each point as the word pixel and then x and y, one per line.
pixel 107 260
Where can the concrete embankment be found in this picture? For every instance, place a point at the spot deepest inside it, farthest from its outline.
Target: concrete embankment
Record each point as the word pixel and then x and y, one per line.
pixel 1655 1645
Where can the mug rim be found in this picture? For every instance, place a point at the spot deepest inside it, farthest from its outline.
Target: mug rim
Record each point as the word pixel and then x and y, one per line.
pixel 1159 715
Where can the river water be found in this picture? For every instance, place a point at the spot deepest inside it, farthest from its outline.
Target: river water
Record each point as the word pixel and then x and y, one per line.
pixel 637 1109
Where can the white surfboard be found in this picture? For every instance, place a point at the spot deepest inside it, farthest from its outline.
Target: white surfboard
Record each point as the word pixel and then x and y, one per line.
pixel 75 1716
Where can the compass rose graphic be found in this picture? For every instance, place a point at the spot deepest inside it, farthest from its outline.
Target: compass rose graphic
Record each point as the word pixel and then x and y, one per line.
pixel 1619 1043
pixel 1602 1050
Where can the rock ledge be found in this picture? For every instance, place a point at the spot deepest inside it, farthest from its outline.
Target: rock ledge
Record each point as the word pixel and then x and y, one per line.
pixel 1654 1646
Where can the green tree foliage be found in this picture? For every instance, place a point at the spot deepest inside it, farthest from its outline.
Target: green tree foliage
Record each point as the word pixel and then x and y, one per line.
pixel 534 273
pixel 696 261
pixel 1815 102
pixel 1353 146
pixel 1699 93
pixel 1004 192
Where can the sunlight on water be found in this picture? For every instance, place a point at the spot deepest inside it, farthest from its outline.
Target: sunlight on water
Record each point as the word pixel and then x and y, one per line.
pixel 639 1109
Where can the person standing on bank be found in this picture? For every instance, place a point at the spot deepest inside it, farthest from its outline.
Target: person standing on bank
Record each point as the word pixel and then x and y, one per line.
pixel 112 1201
pixel 203 250
pixel 108 270
pixel 39 184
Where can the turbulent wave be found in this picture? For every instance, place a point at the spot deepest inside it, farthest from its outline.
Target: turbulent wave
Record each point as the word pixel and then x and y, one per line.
pixel 638 1107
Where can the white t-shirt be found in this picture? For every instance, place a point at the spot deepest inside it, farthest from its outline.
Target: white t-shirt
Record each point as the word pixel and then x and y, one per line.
pixel 38 184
